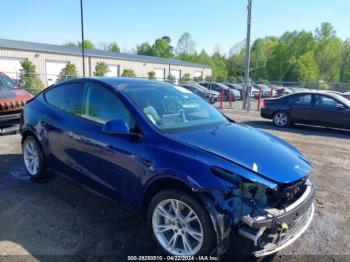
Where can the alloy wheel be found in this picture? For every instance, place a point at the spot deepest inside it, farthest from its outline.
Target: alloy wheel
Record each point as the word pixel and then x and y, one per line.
pixel 177 227
pixel 31 158
pixel 280 119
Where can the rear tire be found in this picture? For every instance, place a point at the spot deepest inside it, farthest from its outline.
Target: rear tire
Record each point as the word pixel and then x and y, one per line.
pixel 180 225
pixel 33 158
pixel 281 119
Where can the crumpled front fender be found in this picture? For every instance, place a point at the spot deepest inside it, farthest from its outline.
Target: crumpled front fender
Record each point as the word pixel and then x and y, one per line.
pixel 222 224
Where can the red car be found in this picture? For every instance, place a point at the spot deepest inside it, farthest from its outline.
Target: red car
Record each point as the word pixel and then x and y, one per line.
pixel 12 100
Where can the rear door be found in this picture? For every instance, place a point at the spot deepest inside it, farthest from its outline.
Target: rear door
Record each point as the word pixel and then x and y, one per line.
pixel 330 112
pixel 300 108
pixel 62 124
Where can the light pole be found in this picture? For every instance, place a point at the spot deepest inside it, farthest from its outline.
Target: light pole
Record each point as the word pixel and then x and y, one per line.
pixel 246 103
pixel 82 35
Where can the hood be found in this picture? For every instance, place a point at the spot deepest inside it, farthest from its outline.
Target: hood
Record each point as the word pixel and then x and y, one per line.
pixel 251 148
pixel 14 94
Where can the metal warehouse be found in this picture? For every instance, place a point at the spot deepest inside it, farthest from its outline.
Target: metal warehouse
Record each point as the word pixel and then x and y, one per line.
pixel 51 59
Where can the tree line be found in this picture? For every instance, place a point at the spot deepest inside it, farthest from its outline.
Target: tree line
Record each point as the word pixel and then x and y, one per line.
pixel 296 56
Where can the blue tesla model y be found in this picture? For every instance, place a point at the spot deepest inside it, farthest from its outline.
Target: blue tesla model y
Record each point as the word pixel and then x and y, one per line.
pixel 160 150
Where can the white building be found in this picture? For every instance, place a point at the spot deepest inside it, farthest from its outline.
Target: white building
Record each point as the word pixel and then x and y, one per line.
pixel 50 59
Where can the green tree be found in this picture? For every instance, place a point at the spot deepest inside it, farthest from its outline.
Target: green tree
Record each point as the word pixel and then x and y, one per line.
pixel 71 44
pixel 160 48
pixel 345 62
pixel 261 50
pixel 30 78
pixel 185 45
pixel 218 64
pixel 151 75
pixel 68 72
pixel 171 79
pixel 113 47
pixel 101 69
pixel 129 73
pixel 87 44
pixel 186 77
pixel 293 52
pixel 328 52
pixel 145 49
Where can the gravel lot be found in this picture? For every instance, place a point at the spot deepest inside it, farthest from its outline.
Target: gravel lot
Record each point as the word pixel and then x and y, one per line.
pixel 59 217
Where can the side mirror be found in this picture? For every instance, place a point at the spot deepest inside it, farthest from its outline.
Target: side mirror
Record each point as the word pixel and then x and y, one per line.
pixel 340 107
pixel 118 127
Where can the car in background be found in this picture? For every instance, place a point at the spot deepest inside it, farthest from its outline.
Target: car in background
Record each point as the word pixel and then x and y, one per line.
pixel 12 100
pixel 313 108
pixel 347 95
pixel 166 154
pixel 237 87
pixel 211 96
pixel 282 91
pixel 219 87
pixel 266 90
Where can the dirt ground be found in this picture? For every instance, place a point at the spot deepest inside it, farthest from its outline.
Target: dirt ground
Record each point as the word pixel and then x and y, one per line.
pixel 58 217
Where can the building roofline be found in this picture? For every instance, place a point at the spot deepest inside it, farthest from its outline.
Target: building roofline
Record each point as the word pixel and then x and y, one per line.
pixel 50 48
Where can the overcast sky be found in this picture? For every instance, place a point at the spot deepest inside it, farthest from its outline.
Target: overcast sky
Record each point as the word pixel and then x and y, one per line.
pixel 212 23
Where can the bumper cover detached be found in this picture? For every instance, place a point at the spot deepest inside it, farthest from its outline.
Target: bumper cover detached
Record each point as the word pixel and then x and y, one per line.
pixel 265 232
pixel 287 238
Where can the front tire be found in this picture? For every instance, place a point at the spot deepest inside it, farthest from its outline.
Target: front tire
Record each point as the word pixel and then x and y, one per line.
pixel 33 158
pixel 281 119
pixel 180 225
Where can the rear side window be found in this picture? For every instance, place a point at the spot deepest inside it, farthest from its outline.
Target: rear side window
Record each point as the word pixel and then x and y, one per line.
pixel 67 97
pixel 301 99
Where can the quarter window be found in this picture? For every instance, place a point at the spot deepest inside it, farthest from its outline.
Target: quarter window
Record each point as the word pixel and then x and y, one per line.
pixel 101 105
pixel 67 97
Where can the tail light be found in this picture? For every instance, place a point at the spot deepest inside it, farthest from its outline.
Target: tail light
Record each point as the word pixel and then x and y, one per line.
pixel 263 104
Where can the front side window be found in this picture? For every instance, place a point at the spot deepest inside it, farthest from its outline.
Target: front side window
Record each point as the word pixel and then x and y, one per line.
pixel 6 83
pixel 67 97
pixel 302 99
pixel 326 101
pixel 101 105
pixel 171 108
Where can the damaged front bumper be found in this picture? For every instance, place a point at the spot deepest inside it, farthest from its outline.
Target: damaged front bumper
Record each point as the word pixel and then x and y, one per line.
pixel 272 233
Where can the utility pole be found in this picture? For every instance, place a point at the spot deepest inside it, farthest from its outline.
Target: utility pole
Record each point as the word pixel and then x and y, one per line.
pixel 82 35
pixel 247 85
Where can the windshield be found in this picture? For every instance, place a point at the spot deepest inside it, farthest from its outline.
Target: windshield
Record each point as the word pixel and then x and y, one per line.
pixel 6 83
pixel 171 108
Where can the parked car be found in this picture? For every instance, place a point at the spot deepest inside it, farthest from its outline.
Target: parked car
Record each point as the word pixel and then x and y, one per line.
pixel 163 152
pixel 266 90
pixel 347 95
pixel 210 96
pixel 235 95
pixel 12 100
pixel 237 87
pixel 314 108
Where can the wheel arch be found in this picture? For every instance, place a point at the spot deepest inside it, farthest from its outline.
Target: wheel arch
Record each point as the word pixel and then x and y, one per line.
pixel 162 183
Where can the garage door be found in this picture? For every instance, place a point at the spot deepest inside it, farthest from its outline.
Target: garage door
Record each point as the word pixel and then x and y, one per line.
pixel 113 70
pixel 159 74
pixel 176 74
pixel 53 69
pixel 10 67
